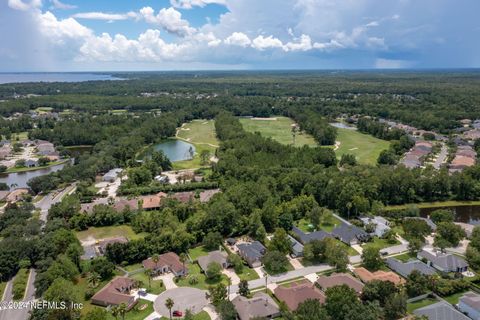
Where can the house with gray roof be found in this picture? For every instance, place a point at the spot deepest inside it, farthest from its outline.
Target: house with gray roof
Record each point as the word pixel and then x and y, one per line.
pixel 469 304
pixel 444 262
pixel 405 268
pixel 252 253
pixel 260 306
pixel 382 225
pixel 112 175
pixel 350 234
pixel 305 238
pixel 217 256
pixel 297 247
pixel 440 311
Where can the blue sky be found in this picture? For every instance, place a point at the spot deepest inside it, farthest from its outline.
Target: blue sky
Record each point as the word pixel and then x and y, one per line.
pixel 117 35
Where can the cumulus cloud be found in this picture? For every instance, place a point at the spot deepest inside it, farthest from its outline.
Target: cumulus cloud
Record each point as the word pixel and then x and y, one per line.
pixel 169 19
pixel 24 6
pixel 57 4
pixel 61 31
pixel 189 4
pixel 303 44
pixel 238 39
pixel 105 16
pixel 262 43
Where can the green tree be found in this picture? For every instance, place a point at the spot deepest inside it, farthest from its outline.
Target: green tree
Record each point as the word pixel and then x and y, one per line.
pixel 417 284
pixel 93 279
pixel 311 309
pixel 371 258
pixel 243 289
pixel 122 310
pixel 280 241
pixel 235 261
pixel 213 240
pixel 217 294
pixel 348 159
pixel 275 262
pixel 314 251
pixel 204 157
pixel 448 234
pixel 103 267
pixel 214 271
pixel 226 310
pixel 396 306
pixel 442 215
pixel 97 314
pixel 169 303
pixel 339 300
pixel 60 291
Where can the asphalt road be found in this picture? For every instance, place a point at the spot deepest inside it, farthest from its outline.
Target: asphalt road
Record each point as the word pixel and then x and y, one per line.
pixel 22 313
pixel 50 199
pixel 441 157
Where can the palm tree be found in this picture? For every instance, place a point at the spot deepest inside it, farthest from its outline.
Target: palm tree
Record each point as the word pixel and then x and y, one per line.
pixel 148 273
pixel 114 311
pixel 122 310
pixel 229 282
pixel 169 303
pixel 93 279
pixel 183 259
pixel 155 259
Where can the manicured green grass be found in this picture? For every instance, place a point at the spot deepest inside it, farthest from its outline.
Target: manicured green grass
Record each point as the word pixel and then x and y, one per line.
pixel 199 316
pixel 200 133
pixel 43 109
pixel 20 136
pixel 405 257
pixel 156 286
pixel 248 274
pixel 202 281
pixel 379 244
pixel 364 147
pixel 197 252
pixel 2 288
pixel 135 313
pixel 279 130
pixel 133 267
pixel 453 299
pixel 20 283
pixel 305 225
pixel 25 169
pixel 419 304
pixel 108 232
pixel 438 204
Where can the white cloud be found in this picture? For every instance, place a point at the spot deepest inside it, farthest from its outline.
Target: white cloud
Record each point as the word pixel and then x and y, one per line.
pixel 60 31
pixel 238 39
pixel 189 4
pixel 57 4
pixel 169 19
pixel 304 44
pixel 104 16
pixel 24 6
pixel 262 43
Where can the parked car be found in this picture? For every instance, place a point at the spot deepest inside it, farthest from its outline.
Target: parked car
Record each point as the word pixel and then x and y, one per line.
pixel 177 313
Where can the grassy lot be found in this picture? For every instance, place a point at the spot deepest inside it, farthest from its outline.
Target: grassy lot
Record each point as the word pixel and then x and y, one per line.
pixel 156 286
pixel 379 243
pixel 279 130
pixel 108 232
pixel 438 204
pixel 135 313
pixel 25 169
pixel 405 257
pixel 364 147
pixel 200 316
pixel 200 133
pixel 453 299
pixel 133 267
pixel 419 304
pixel 19 136
pixel 20 283
pixel 2 288
pixel 202 282
pixel 305 225
pixel 44 109
pixel 197 252
pixel 248 274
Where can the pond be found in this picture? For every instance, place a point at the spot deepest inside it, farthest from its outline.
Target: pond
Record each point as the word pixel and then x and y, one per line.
pixel 342 125
pixel 467 214
pixel 175 150
pixel 20 179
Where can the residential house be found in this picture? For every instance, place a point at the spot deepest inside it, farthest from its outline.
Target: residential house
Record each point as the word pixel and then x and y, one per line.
pixel 338 279
pixel 305 238
pixel 444 262
pixel 167 262
pixel 153 202
pixel 122 204
pixel 440 311
pixel 217 256
pixel 183 197
pixel 405 268
pixel 112 175
pixel 115 293
pixel 45 148
pixel 31 163
pixel 297 293
pixel 350 234
pixel 367 276
pixel 469 304
pixel 382 225
pixel 297 247
pixel 252 253
pixel 261 305
pixel 206 195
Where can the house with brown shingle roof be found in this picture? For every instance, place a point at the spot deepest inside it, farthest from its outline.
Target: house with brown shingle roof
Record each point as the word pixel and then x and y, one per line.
pixel 206 195
pixel 115 293
pixel 297 293
pixel 261 305
pixel 167 262
pixel 152 202
pixel 367 276
pixel 338 279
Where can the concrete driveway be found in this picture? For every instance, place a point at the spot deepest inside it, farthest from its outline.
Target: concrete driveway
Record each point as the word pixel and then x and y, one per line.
pixel 232 275
pixel 184 298
pixel 167 281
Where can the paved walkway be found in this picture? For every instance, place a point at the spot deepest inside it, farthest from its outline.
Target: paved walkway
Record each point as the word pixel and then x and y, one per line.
pixel 211 312
pixel 312 277
pixel 259 271
pixel 358 248
pixel 152 316
pixel 296 264
pixel 19 314
pixel 442 156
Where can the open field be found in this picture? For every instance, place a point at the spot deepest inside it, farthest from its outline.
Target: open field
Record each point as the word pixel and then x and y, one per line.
pixel 200 133
pixel 108 232
pixel 438 204
pixel 279 130
pixel 364 147
pixel 20 136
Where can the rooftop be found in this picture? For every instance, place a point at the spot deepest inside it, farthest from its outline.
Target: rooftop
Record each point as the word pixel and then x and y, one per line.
pixel 298 293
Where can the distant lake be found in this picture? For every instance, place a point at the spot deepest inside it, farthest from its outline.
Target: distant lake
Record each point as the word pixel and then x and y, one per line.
pixel 466 214
pixel 20 179
pixel 175 150
pixel 54 77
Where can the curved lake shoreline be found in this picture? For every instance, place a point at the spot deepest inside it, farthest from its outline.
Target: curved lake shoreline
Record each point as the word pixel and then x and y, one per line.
pixel 174 149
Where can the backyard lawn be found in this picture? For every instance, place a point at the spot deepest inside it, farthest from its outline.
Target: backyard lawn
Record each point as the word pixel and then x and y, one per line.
pixel 306 226
pixel 405 257
pixel 379 243
pixel 419 304
pixel 279 130
pixel 107 232
pixel 248 274
pixel 200 133
pixel 202 282
pixel 364 147
pixel 453 299
pixel 156 286
pixel 197 252
pixel 135 313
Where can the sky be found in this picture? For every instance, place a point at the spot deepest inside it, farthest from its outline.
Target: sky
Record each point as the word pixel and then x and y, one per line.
pixel 131 35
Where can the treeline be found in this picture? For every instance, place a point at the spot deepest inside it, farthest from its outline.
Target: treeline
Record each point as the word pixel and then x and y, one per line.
pixel 316 125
